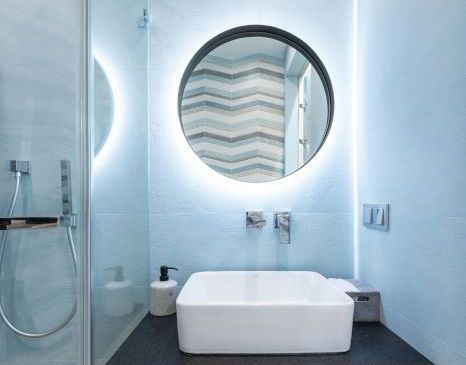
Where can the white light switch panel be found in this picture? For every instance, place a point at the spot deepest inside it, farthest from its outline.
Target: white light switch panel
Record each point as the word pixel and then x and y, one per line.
pixel 375 216
pixel 367 217
pixel 380 215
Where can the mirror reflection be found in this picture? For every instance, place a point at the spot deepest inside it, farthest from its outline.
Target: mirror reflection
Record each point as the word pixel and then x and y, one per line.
pixel 103 107
pixel 255 109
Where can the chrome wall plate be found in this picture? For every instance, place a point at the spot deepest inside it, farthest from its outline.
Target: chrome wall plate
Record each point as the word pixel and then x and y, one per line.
pixel 66 192
pixel 20 166
pixel 282 220
pixel 255 219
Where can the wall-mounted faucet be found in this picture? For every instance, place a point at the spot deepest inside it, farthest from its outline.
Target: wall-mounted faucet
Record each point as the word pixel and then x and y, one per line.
pixel 282 222
pixel 255 219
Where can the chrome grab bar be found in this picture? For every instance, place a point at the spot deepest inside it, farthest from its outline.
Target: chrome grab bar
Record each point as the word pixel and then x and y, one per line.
pixel 22 223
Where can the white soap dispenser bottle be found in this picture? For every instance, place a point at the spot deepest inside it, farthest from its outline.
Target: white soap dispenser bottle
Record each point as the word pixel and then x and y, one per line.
pixel 118 294
pixel 163 294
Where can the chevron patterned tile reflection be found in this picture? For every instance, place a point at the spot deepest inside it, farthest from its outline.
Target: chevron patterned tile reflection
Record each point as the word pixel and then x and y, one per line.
pixel 233 116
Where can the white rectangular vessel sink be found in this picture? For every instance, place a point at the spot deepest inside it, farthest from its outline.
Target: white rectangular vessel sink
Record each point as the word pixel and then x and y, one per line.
pixel 263 312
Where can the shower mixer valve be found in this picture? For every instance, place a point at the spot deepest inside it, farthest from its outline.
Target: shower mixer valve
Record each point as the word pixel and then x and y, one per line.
pixel 23 167
pixel 68 219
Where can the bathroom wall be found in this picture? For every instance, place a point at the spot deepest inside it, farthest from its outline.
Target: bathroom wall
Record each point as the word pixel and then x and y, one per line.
pixel 412 153
pixel 120 177
pixel 197 216
pixel 39 121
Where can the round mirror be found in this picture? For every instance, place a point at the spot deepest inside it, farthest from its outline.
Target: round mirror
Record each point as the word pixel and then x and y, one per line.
pixel 103 107
pixel 255 103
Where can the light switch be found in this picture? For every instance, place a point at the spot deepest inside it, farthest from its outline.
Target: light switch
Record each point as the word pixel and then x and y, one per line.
pixel 375 216
pixel 380 216
pixel 367 215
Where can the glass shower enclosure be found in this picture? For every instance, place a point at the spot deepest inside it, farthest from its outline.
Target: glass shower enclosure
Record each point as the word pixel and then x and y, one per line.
pixel 118 55
pixel 73 178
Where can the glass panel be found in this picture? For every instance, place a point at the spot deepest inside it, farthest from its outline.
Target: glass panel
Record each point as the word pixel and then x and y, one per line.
pixel 40 123
pixel 119 261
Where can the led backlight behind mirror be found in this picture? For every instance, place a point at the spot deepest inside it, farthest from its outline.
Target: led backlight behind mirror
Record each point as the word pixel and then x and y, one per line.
pixel 255 104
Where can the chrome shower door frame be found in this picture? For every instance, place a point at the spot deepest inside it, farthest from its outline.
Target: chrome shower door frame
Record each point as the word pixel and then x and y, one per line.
pixel 85 357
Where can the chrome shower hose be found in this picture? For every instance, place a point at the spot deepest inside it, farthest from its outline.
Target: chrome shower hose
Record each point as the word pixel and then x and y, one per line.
pixel 3 238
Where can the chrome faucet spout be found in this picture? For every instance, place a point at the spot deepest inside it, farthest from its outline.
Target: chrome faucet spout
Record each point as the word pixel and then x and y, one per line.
pixel 255 219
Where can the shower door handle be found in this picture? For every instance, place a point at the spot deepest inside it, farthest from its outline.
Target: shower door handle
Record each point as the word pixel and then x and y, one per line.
pixel 25 223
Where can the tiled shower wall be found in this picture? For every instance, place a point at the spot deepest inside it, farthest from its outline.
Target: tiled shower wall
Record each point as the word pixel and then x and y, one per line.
pixel 39 122
pixel 233 115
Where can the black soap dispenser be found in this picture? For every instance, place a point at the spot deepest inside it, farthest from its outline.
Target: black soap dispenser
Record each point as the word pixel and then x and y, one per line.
pixel 163 294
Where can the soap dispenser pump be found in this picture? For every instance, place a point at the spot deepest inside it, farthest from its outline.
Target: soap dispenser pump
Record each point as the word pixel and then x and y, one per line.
pixel 164 272
pixel 118 296
pixel 163 294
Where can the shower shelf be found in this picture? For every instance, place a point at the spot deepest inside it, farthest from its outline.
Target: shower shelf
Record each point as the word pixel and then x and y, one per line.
pixel 18 223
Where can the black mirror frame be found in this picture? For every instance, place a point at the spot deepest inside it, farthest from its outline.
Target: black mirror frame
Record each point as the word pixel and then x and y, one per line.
pixel 269 32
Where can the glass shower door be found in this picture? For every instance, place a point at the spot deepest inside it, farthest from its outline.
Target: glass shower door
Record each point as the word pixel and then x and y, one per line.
pixel 41 182
pixel 120 243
